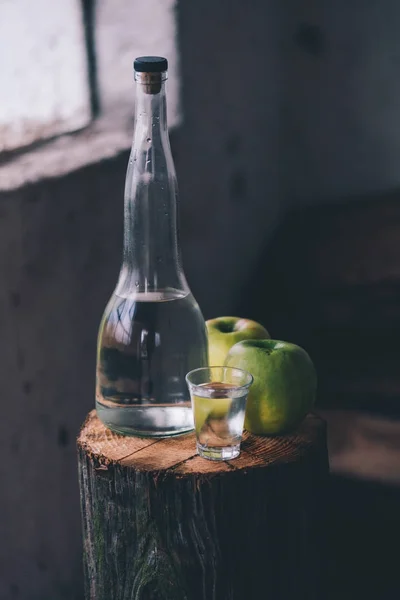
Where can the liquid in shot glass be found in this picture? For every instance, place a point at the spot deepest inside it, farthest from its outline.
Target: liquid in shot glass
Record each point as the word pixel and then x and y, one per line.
pixel 218 396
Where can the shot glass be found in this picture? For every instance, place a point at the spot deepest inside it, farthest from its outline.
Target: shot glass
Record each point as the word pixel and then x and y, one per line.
pixel 218 396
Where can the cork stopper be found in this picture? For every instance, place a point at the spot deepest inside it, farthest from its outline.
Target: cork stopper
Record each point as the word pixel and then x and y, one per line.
pixel 150 81
pixel 151 71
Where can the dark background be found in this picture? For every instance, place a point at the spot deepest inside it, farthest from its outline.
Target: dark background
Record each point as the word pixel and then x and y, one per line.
pixel 288 160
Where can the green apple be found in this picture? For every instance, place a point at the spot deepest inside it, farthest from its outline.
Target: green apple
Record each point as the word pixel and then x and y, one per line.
pixel 284 386
pixel 225 332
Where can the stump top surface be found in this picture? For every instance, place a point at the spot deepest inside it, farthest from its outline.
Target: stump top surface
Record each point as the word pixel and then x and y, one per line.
pixel 179 454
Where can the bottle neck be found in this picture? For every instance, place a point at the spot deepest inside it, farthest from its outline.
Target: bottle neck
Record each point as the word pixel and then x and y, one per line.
pixel 151 261
pixel 150 108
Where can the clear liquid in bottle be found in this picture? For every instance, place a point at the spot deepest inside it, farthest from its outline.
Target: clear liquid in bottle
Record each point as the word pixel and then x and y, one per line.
pixel 141 390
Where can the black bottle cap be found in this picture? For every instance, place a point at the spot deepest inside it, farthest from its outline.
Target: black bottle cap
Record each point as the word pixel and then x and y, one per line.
pixel 150 64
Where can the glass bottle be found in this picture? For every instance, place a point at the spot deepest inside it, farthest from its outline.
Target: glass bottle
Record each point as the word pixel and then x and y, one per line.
pixel 152 331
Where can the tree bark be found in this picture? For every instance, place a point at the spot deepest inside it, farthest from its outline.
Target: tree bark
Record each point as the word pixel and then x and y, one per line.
pixel 161 523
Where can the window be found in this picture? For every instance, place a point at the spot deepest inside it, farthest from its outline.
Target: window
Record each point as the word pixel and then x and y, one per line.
pixel 49 66
pixel 43 70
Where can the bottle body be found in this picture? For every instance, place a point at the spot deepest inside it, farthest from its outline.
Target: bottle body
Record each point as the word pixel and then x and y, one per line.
pixel 152 331
pixel 147 344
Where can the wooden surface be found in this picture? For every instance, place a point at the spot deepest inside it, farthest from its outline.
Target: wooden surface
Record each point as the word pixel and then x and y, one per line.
pixel 363 446
pixel 161 523
pixel 180 455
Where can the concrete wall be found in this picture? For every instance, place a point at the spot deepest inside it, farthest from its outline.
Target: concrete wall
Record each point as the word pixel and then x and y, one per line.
pixel 124 30
pixel 342 98
pixel 228 152
pixel 59 250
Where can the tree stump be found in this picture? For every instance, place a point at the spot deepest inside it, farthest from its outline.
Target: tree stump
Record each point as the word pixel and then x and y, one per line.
pixel 161 523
